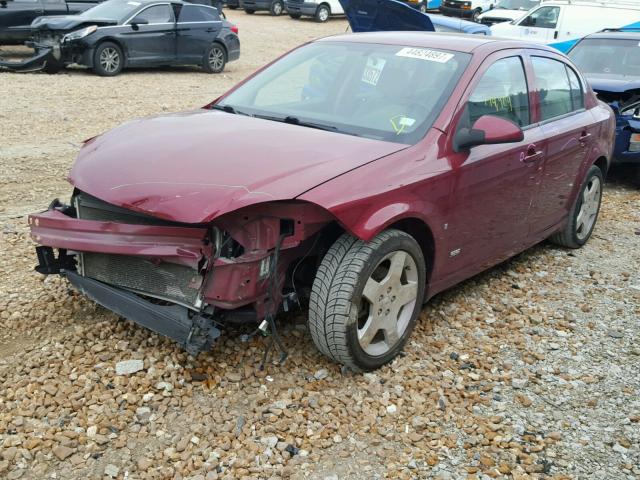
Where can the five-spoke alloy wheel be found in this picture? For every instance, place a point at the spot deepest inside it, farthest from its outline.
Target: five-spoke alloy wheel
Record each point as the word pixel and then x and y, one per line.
pixel 366 298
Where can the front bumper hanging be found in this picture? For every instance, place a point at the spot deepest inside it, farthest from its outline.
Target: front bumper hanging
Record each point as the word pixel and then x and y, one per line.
pixel 193 332
pixel 38 62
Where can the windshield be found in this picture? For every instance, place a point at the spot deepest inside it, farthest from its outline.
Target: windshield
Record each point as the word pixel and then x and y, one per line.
pixel 517 4
pixel 607 57
pixel 385 92
pixel 118 10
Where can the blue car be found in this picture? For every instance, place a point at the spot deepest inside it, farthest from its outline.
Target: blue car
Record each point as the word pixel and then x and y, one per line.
pixel 610 60
pixel 391 15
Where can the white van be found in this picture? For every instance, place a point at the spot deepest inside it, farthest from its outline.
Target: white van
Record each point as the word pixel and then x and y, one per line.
pixel 507 11
pixel 320 10
pixel 560 23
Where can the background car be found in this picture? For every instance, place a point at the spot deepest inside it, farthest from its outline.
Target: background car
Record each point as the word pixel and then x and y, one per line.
pixel 320 10
pixel 610 60
pixel 507 11
pixel 470 9
pixel 274 7
pixel 431 158
pixel 16 16
pixel 119 34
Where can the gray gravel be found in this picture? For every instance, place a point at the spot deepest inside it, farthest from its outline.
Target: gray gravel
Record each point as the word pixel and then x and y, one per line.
pixel 529 370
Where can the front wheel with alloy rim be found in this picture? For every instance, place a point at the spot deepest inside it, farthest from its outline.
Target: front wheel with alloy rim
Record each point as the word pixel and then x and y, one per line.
pixel 584 214
pixel 214 59
pixel 323 13
pixel 108 59
pixel 366 298
pixel 277 7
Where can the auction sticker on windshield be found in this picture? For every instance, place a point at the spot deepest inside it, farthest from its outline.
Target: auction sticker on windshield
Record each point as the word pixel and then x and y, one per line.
pixel 425 54
pixel 371 74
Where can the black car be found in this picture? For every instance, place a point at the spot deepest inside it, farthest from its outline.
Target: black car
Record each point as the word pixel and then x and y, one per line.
pixel 16 15
pixel 118 34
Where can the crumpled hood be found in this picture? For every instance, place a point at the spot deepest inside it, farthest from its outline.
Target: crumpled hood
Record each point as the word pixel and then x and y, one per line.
pixel 194 166
pixel 67 22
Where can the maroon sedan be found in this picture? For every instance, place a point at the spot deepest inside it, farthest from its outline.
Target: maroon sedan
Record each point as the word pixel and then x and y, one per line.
pixel 361 174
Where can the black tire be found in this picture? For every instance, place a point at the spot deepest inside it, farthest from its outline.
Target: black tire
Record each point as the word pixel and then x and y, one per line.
pixel 575 235
pixel 476 13
pixel 277 8
pixel 295 16
pixel 423 7
pixel 636 175
pixel 323 13
pixel 52 67
pixel 102 66
pixel 232 7
pixel 215 59
pixel 338 303
pixel 249 11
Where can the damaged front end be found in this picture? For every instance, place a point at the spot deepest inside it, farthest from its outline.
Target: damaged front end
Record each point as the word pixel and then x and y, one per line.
pixel 626 106
pixel 183 281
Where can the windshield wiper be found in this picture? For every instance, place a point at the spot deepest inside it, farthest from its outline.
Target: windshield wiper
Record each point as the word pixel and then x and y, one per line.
pixel 296 121
pixel 229 109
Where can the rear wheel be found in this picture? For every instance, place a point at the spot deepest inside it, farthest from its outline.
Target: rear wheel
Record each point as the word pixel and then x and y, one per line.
pixel 249 11
pixel 366 298
pixel 108 59
pixel 277 8
pixel 215 59
pixel 295 16
pixel 476 13
pixel 323 13
pixel 584 214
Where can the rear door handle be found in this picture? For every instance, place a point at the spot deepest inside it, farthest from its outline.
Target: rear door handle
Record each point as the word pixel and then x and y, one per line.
pixel 532 155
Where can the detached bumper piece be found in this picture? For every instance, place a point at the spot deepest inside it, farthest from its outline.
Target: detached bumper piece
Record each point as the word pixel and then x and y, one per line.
pixel 38 62
pixel 193 332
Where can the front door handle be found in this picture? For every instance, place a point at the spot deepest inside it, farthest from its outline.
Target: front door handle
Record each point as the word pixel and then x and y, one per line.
pixel 584 136
pixel 532 155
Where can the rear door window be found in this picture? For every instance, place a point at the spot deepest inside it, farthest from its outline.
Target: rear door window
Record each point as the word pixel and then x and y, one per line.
pixel 195 13
pixel 556 93
pixel 502 91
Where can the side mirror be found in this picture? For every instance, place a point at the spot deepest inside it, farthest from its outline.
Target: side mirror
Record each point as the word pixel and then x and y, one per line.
pixel 487 130
pixel 136 22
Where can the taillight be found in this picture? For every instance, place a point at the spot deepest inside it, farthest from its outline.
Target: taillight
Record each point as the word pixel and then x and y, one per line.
pixel 234 29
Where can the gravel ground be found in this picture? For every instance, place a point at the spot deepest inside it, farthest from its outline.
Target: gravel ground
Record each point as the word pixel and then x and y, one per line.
pixel 529 370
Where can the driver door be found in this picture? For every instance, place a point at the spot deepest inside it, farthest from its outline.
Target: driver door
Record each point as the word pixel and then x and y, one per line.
pixel 151 39
pixel 494 185
pixel 541 25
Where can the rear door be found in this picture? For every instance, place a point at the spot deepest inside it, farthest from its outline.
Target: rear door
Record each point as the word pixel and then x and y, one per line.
pixel 196 29
pixel 569 129
pixel 495 185
pixel 16 17
pixel 151 36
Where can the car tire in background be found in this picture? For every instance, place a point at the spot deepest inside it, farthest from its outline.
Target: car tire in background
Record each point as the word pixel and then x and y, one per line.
pixel 366 298
pixel 52 67
pixel 423 7
pixel 249 11
pixel 108 59
pixel 295 16
pixel 323 13
pixel 584 214
pixel 277 7
pixel 474 16
pixel 215 59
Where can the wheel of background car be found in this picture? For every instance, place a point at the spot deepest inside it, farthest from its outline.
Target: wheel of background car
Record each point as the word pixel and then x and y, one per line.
pixel 108 59
pixel 232 7
pixel 323 12
pixel 423 8
pixel 214 59
pixel 476 13
pixel 250 12
pixel 366 298
pixel 295 16
pixel 277 8
pixel 584 214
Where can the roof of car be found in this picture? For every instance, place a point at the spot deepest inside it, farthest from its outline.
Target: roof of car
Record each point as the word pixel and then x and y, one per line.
pixel 616 34
pixel 446 41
